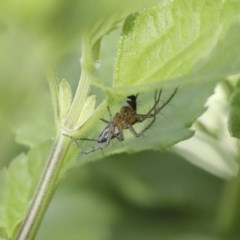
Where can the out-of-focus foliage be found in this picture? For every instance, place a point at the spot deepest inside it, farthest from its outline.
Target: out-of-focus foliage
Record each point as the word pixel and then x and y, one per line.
pixel 57 26
pixel 149 195
pixel 28 166
pixel 212 135
pixel 234 116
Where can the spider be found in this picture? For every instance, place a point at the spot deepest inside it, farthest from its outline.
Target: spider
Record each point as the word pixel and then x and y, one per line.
pixel 126 118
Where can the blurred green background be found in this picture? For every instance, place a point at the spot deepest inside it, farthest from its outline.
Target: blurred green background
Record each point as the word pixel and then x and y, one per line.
pixel 149 195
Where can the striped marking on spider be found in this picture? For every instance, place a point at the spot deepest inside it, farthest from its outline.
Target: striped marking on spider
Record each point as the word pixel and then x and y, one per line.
pixel 125 119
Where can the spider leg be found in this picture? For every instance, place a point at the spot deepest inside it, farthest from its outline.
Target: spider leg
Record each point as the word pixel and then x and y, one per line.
pixel 101 146
pixel 133 131
pixel 104 120
pixel 153 115
pixel 87 139
pixel 148 126
pixel 110 114
pixel 150 113
pixel 75 140
pixel 157 110
pixel 119 134
pixel 157 97
pixel 104 144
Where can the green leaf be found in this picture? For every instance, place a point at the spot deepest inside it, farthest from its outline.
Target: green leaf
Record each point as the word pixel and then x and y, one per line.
pixel 212 135
pixel 224 59
pixel 18 184
pixel 167 41
pixel 234 114
pixel 223 157
pixel 171 126
pixel 198 62
pixel 109 15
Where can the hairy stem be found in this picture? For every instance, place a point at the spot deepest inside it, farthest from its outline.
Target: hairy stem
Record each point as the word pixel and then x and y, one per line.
pixel 87 71
pixel 49 179
pixel 44 190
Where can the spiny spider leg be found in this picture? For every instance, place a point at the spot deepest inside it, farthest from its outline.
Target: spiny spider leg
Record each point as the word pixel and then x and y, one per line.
pixel 168 100
pixel 133 131
pixel 157 97
pixel 104 120
pixel 99 147
pixel 111 133
pixel 110 114
pixel 151 115
pixel 74 140
pixel 87 139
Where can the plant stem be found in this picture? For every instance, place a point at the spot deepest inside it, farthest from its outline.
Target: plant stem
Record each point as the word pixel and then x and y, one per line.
pixel 52 169
pixel 87 70
pixel 228 216
pixel 44 190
